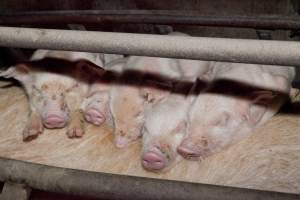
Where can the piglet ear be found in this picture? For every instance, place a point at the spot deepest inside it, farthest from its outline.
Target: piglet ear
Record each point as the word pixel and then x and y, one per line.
pixel 19 72
pixel 257 106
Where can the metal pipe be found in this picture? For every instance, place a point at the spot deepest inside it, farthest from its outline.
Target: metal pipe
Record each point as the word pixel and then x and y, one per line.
pixel 200 48
pixel 150 17
pixel 102 185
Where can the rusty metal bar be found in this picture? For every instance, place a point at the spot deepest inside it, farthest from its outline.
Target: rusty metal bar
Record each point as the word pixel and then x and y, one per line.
pixel 110 186
pixel 166 17
pixel 200 48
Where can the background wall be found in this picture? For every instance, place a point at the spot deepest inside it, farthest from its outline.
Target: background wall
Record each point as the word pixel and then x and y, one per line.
pixel 205 7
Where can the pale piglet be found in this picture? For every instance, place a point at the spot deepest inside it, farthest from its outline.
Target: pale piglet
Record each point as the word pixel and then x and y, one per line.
pixel 96 104
pixel 165 121
pixel 136 90
pixel 164 128
pixel 241 98
pixel 56 83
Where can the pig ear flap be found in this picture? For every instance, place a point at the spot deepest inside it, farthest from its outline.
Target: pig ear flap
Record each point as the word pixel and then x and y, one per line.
pixel 19 72
pixel 254 109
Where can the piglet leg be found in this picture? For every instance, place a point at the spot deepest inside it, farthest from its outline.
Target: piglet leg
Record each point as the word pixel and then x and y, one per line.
pixel 74 100
pixel 76 125
pixel 34 127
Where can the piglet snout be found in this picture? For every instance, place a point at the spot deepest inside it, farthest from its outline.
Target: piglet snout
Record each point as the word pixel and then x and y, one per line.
pixel 153 161
pixel 189 150
pixel 94 116
pixel 54 121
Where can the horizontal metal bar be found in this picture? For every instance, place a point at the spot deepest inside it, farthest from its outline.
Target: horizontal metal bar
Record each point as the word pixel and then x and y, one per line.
pixel 150 17
pixel 201 48
pixel 102 185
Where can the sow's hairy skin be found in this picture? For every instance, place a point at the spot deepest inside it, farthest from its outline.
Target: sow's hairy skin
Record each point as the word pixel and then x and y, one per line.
pixel 240 98
pixel 56 88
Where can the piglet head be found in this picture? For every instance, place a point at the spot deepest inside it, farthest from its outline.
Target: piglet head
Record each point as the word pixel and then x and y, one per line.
pixel 159 150
pixel 51 104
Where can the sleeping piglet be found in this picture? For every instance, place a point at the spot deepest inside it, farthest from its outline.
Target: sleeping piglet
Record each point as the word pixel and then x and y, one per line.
pixel 165 120
pixel 135 91
pixel 96 104
pixel 56 83
pixel 240 98
pixel 165 127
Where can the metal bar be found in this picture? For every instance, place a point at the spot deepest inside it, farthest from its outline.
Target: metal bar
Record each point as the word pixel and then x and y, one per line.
pixel 102 185
pixel 150 17
pixel 200 48
pixel 15 191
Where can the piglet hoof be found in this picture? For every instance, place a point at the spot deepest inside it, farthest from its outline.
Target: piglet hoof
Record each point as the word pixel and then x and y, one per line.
pixel 75 131
pixel 32 131
pixel 153 161
pixel 94 116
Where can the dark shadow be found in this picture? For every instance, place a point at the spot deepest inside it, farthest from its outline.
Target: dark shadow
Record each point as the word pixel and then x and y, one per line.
pixel 138 78
pixel 45 195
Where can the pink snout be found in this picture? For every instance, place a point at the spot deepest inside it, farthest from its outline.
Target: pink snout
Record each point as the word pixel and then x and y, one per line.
pixel 188 149
pixel 54 121
pixel 94 116
pixel 153 161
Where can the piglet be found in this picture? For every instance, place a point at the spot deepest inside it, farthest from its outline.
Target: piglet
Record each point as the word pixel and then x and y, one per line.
pixel 56 83
pixel 138 87
pixel 96 104
pixel 241 98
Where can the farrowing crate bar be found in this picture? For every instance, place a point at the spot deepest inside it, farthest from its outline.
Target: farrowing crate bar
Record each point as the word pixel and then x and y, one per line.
pixel 201 48
pixel 150 17
pixel 102 185
pixel 124 187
